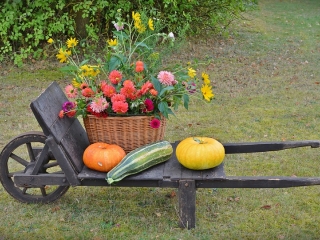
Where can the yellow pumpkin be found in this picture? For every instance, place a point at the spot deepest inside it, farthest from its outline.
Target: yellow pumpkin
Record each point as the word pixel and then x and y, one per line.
pixel 200 153
pixel 103 157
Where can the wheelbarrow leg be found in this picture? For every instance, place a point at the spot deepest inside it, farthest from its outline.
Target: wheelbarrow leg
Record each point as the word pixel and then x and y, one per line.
pixel 187 203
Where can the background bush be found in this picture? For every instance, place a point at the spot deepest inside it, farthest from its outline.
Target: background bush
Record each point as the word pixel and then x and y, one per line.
pixel 25 25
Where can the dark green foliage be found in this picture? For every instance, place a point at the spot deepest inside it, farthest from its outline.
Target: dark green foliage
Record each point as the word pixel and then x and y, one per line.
pixel 25 25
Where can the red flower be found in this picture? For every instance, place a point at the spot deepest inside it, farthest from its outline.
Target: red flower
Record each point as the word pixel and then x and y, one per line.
pixel 128 83
pixel 118 98
pixel 146 87
pixel 71 113
pixel 129 92
pixel 108 90
pixel 115 77
pixel 139 66
pixel 100 114
pixel 155 123
pixel 148 105
pixel 87 92
pixel 120 107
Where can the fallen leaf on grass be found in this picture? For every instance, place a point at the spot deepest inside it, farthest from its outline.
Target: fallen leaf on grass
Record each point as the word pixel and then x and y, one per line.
pixel 171 195
pixel 158 214
pixel 267 207
pixel 55 209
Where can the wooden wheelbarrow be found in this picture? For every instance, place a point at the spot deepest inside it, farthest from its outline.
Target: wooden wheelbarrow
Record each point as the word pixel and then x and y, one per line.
pixel 39 167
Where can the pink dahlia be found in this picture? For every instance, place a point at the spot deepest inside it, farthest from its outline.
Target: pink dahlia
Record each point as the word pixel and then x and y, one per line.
pixel 155 123
pixel 166 78
pixel 99 104
pixel 115 77
pixel 71 91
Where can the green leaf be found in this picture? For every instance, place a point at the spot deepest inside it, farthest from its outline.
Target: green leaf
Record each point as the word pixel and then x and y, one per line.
pixel 156 84
pixel 169 88
pixel 68 69
pixel 163 108
pixel 186 101
pixel 84 62
pixel 114 63
pixel 141 44
pixel 121 35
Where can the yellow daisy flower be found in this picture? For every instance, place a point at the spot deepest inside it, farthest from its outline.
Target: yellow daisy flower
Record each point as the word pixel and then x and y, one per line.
pixel 75 83
pixel 85 70
pixel 72 42
pixel 207 92
pixel 63 55
pixel 141 28
pixel 136 16
pixel 150 24
pixel 112 42
pixel 191 72
pixel 205 78
pixel 94 71
pixel 50 41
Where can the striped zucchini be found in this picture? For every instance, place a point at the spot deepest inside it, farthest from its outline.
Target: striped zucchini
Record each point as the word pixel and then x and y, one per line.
pixel 140 159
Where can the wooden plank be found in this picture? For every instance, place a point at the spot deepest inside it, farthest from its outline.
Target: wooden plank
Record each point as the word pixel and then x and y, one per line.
pixel 64 162
pixel 172 169
pixel 47 107
pixel 187 203
pixel 74 142
pixel 153 173
pixel 39 180
pixel 67 132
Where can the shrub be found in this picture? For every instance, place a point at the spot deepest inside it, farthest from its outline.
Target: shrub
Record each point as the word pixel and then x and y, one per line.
pixel 25 25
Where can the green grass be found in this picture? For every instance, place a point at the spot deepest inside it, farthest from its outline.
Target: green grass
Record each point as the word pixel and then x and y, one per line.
pixel 266 77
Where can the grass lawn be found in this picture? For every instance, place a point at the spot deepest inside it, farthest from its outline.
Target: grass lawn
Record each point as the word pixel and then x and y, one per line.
pixel 266 79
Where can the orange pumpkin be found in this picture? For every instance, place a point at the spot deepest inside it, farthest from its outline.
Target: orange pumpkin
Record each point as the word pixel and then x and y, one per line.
pixel 103 157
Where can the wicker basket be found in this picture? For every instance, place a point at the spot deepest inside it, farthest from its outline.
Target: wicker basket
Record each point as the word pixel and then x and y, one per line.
pixel 129 132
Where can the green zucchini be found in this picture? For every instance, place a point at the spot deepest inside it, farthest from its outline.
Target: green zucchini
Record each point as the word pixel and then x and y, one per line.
pixel 140 159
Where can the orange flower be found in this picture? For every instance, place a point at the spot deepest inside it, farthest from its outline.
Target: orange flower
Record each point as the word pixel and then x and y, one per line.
pixel 83 85
pixel 146 87
pixel 153 92
pixel 61 114
pixel 139 66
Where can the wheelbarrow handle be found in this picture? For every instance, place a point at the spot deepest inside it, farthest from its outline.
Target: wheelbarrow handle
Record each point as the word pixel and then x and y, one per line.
pixel 252 147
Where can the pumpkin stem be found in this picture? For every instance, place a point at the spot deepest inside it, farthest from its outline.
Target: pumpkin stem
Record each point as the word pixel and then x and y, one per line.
pixel 199 140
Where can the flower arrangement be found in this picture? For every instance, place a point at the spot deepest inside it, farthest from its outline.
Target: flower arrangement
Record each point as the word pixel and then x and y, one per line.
pixel 129 81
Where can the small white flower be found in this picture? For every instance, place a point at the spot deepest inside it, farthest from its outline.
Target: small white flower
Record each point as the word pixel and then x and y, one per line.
pixel 171 35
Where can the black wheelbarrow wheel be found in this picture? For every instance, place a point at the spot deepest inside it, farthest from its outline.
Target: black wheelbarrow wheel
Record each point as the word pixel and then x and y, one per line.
pixel 20 153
